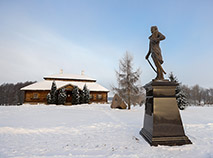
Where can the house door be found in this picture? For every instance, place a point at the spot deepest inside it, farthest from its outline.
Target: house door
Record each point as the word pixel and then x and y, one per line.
pixel 69 97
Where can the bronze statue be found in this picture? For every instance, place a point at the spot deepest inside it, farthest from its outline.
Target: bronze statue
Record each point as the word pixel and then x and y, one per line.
pixel 162 121
pixel 155 51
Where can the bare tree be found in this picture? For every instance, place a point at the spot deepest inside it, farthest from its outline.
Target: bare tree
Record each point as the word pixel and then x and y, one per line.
pixel 211 96
pixel 196 94
pixel 186 89
pixel 128 81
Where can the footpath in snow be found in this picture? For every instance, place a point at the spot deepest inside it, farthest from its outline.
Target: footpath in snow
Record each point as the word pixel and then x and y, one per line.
pixel 95 131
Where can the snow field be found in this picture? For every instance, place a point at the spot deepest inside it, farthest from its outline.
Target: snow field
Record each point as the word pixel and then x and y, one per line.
pixel 90 131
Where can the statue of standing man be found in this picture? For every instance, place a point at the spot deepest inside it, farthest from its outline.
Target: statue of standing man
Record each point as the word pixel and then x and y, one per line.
pixel 155 51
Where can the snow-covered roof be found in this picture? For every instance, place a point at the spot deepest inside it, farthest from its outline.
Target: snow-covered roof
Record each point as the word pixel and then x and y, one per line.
pixel 70 77
pixel 46 85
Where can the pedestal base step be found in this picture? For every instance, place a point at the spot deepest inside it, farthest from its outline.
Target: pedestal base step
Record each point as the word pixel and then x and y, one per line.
pixel 164 140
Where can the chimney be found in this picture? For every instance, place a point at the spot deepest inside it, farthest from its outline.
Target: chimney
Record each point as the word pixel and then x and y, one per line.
pixel 61 71
pixel 82 72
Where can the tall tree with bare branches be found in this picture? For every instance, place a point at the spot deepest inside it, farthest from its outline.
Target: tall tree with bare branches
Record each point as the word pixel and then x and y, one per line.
pixel 128 81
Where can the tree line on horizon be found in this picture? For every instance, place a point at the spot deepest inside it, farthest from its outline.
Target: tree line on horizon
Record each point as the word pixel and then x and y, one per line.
pixel 197 95
pixel 129 89
pixel 10 93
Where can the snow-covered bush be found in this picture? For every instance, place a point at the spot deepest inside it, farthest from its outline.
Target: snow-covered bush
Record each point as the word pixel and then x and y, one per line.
pixel 48 98
pixel 180 95
pixel 75 96
pixel 81 93
pixel 62 96
pixel 52 96
pixel 181 99
pixel 86 94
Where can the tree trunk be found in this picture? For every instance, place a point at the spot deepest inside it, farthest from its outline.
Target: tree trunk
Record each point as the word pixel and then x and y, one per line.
pixel 129 104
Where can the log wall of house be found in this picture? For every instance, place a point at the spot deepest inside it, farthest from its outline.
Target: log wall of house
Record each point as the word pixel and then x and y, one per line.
pixel 39 96
pixel 34 97
pixel 98 97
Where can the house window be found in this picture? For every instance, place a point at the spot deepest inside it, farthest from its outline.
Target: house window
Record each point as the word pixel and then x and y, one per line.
pixel 90 96
pixel 35 95
pixel 99 96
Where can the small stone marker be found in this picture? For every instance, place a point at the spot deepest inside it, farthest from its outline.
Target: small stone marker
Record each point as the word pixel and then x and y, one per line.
pixel 117 102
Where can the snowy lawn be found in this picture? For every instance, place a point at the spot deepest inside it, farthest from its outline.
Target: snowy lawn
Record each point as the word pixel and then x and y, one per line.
pixel 90 131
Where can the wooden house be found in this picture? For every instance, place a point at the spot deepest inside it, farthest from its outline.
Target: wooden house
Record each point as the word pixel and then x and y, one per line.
pixel 37 93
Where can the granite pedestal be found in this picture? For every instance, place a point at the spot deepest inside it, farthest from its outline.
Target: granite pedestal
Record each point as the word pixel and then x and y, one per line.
pixel 162 120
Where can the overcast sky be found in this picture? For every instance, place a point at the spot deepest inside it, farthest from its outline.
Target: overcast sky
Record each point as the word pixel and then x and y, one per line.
pixel 40 37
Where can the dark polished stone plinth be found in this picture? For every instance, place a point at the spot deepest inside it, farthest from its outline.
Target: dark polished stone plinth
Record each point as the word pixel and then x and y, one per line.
pixel 162 121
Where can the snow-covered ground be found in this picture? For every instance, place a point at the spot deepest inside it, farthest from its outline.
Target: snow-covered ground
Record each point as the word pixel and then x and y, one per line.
pixel 90 131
